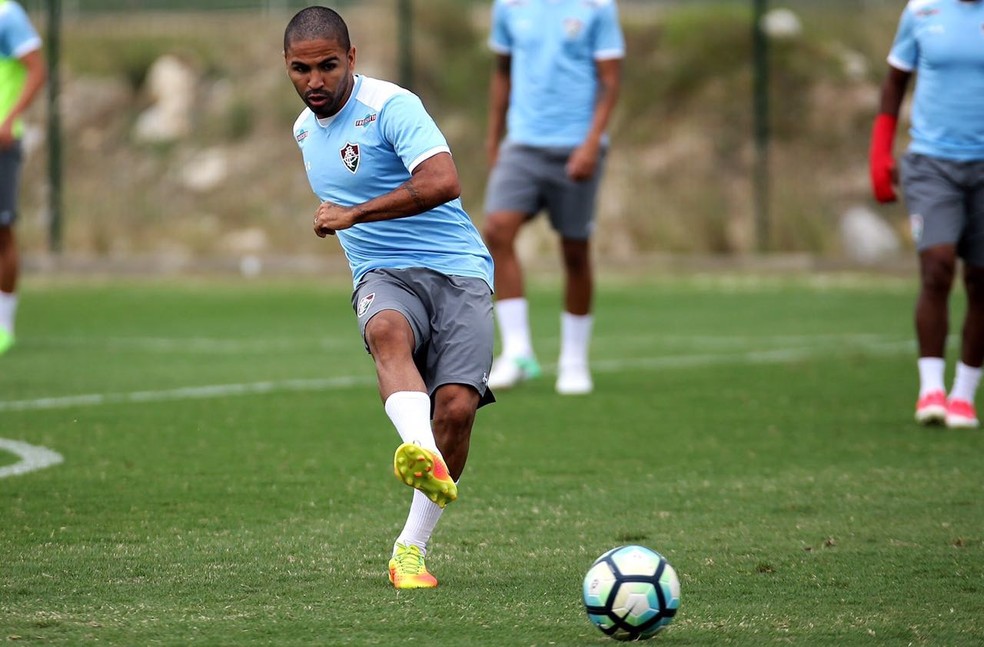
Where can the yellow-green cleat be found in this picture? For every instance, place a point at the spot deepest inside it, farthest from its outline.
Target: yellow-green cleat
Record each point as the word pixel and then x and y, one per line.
pixel 6 340
pixel 408 571
pixel 424 470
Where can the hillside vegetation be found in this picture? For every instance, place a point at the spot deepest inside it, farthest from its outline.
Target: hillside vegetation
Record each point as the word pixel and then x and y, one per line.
pixel 680 172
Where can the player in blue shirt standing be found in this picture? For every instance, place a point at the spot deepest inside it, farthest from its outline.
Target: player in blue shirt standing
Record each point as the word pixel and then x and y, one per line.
pixel 422 275
pixel 554 87
pixel 942 43
pixel 22 75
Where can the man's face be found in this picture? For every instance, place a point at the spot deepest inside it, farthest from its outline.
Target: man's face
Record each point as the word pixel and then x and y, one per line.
pixel 322 74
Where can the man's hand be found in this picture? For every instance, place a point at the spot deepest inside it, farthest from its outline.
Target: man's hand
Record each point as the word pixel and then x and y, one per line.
pixel 583 162
pixel 7 134
pixel 881 162
pixel 330 218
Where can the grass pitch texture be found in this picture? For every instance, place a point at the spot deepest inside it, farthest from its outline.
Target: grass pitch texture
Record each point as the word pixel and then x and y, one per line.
pixel 227 473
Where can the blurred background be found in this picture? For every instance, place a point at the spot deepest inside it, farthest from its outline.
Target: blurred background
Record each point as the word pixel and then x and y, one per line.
pixel 742 132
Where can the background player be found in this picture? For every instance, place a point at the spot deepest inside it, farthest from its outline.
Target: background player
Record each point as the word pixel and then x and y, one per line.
pixel 22 75
pixel 942 42
pixel 556 79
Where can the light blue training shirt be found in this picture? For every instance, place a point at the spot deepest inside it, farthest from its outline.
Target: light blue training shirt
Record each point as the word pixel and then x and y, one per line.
pixel 369 148
pixel 942 41
pixel 554 45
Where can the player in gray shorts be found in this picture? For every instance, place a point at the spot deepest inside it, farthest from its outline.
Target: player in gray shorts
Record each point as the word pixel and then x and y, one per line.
pixel 528 180
pixel 451 319
pixel 942 177
pixel 945 200
pixel 10 165
pixel 525 181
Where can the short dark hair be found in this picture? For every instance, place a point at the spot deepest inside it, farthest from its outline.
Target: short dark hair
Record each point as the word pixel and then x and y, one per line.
pixel 315 23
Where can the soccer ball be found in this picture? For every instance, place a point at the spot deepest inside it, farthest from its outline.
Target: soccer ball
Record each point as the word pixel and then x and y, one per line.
pixel 631 593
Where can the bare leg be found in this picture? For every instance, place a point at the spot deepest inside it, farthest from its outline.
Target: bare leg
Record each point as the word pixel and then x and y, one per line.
pixel 579 286
pixel 937 268
pixel 391 343
pixel 9 260
pixel 972 347
pixel 454 415
pixel 500 232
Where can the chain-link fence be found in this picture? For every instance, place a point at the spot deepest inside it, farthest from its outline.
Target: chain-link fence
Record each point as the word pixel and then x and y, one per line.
pixel 175 123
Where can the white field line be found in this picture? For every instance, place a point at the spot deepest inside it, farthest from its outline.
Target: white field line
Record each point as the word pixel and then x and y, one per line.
pixel 32 458
pixel 197 345
pixel 184 393
pixel 773 356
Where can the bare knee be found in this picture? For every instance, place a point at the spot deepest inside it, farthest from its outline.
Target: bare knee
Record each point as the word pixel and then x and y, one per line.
pixel 577 256
pixel 500 231
pixel 974 284
pixel 386 331
pixel 937 271
pixel 455 408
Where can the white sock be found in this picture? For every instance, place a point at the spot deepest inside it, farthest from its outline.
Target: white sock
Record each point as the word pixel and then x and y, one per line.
pixel 514 327
pixel 423 518
pixel 965 383
pixel 410 413
pixel 931 371
pixel 575 337
pixel 8 308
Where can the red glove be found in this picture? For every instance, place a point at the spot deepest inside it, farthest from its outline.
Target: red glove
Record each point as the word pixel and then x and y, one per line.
pixel 881 162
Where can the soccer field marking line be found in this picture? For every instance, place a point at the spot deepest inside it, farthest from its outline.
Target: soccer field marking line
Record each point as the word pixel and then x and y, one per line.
pixel 211 345
pixel 172 345
pixel 185 393
pixel 32 458
pixel 771 356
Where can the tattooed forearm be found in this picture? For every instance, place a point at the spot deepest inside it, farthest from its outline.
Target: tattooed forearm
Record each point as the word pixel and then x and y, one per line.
pixel 415 195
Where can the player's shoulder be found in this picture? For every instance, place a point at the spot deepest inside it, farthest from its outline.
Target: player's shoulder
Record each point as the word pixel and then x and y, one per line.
pixel 303 125
pixel 376 93
pixel 11 8
pixel 917 6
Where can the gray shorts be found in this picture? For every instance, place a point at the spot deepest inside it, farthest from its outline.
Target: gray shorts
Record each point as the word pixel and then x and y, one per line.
pixel 451 319
pixel 10 166
pixel 529 179
pixel 945 200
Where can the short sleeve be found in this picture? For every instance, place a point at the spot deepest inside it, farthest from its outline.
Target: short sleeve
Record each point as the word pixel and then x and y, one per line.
pixel 19 36
pixel 410 130
pixel 500 40
pixel 609 41
pixel 904 54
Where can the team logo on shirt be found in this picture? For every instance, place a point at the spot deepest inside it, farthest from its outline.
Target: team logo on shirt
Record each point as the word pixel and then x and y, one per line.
pixel 365 303
pixel 572 27
pixel 350 156
pixel 301 135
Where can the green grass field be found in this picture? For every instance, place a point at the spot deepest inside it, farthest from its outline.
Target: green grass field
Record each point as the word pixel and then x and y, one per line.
pixel 226 474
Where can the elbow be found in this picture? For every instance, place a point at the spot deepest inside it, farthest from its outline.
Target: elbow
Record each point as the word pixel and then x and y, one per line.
pixel 452 190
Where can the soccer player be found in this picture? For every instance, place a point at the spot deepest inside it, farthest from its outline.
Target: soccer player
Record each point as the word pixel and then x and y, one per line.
pixel 22 75
pixel 389 192
pixel 554 87
pixel 942 173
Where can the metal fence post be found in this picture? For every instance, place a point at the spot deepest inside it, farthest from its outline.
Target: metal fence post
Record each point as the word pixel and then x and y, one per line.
pixel 760 99
pixel 404 11
pixel 54 127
